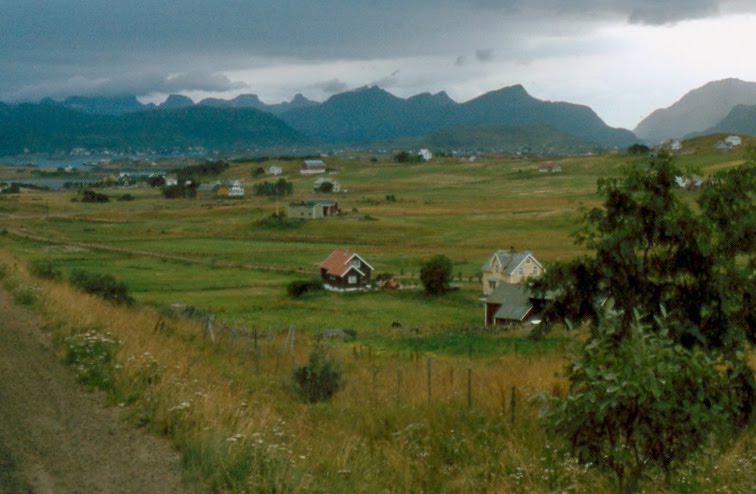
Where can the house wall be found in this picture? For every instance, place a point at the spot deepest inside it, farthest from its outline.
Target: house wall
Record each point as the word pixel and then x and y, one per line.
pixel 305 211
pixel 496 275
pixel 343 283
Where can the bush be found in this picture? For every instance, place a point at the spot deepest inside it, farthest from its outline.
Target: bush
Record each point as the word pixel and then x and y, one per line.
pixel 297 288
pixel 126 197
pixel 102 285
pixel 89 195
pixel 180 191
pixel 280 221
pixel 279 188
pixel 320 379
pixel 639 403
pixel 45 269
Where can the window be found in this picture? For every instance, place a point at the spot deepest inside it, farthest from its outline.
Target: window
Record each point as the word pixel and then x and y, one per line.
pixel 521 271
pixel 355 263
pixel 535 270
pixel 527 261
pixel 352 280
pixel 492 284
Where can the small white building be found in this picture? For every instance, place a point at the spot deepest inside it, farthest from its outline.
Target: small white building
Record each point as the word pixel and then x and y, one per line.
pixel 171 181
pixel 733 141
pixel 275 170
pixel 425 154
pixel 236 189
pixel 674 145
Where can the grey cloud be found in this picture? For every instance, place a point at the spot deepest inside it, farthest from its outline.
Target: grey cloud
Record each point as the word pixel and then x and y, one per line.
pixel 460 61
pixel 484 55
pixel 659 13
pixel 388 81
pixel 331 86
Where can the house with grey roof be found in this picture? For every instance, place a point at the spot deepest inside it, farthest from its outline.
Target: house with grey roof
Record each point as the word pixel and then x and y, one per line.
pixel 509 304
pixel 509 266
pixel 313 209
pixel 312 167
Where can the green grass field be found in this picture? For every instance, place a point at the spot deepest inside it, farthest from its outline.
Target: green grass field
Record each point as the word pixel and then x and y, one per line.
pixel 214 254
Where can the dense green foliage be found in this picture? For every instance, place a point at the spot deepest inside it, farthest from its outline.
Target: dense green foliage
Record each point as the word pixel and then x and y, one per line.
pixel 281 187
pixel 644 403
pixel 320 379
pixel 652 249
pixel 436 275
pixel 88 195
pixel 45 269
pixel 180 190
pixel 297 288
pixel 102 285
pixel 207 169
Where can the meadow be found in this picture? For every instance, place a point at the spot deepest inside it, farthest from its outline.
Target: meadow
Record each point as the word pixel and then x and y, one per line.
pixel 440 404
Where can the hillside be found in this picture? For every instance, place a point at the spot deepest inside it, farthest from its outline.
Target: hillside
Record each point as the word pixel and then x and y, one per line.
pixel 52 127
pixel 741 120
pixel 697 111
pixel 500 138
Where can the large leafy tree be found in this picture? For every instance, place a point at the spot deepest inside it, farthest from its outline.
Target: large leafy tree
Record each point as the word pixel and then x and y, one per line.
pixel 647 391
pixel 652 249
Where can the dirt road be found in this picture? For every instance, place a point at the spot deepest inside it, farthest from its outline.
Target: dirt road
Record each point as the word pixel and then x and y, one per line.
pixel 65 439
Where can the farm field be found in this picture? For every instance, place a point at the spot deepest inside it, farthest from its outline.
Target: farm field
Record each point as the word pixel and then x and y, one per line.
pixel 433 402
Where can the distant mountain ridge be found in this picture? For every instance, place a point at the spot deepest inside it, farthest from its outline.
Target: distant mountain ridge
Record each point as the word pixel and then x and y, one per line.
pixel 371 113
pixel 365 115
pixel 698 110
pixel 52 128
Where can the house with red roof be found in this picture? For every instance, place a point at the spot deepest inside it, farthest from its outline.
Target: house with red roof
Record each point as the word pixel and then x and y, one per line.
pixel 345 271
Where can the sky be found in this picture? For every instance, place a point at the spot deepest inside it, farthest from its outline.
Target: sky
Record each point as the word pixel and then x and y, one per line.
pixel 623 58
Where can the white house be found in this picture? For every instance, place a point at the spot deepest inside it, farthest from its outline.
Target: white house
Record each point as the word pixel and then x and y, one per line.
pixel 425 154
pixel 171 181
pixel 733 141
pixel 674 145
pixel 236 189
pixel 275 170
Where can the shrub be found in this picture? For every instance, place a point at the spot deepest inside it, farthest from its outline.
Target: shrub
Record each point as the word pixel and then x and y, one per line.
pixel 180 190
pixel 279 188
pixel 45 269
pixel 280 221
pixel 320 379
pixel 638 403
pixel 89 195
pixel 102 285
pixel 297 288
pixel 126 197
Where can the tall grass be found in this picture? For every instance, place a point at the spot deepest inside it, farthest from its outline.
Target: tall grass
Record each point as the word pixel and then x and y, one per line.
pixel 228 406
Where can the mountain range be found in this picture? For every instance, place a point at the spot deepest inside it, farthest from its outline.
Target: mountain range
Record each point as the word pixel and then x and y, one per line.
pixel 507 119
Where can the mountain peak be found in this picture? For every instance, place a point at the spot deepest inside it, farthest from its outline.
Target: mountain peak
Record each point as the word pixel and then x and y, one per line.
pixel 698 110
pixel 176 101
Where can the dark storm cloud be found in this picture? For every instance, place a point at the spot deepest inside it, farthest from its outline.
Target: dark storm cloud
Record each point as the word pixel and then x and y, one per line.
pixel 169 46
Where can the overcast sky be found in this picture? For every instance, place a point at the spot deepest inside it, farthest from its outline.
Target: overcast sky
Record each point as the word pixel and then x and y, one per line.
pixel 624 58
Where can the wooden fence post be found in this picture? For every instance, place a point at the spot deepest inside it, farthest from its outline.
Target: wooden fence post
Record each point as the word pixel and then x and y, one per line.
pixel 514 405
pixel 429 380
pixel 469 387
pixel 398 386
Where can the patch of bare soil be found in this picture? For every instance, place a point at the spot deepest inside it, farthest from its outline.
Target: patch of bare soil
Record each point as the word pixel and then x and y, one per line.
pixel 65 439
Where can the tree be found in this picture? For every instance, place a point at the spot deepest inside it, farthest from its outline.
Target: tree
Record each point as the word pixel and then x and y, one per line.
pixel 436 274
pixel 645 403
pixel 652 250
pixel 320 379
